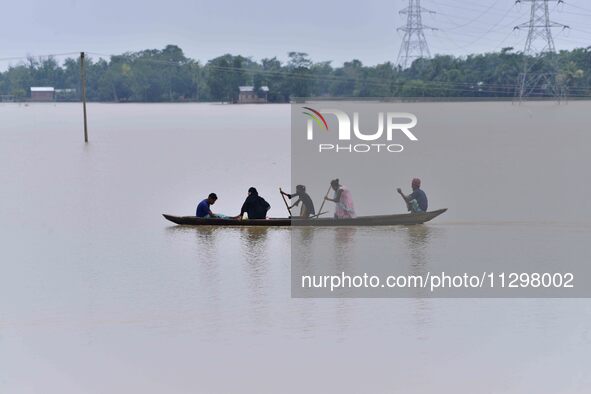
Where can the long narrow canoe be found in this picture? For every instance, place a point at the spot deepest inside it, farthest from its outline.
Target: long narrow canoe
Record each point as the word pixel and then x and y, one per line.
pixel 380 220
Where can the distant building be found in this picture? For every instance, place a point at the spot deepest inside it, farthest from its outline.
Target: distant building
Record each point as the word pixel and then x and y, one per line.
pixel 264 92
pixel 43 93
pixel 248 95
pixel 66 95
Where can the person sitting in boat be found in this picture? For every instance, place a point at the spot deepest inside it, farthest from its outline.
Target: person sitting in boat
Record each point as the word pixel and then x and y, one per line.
pixel 307 209
pixel 204 210
pixel 255 206
pixel 417 200
pixel 343 200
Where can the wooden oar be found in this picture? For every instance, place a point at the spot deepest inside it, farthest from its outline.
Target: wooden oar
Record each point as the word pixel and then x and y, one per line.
pixel 404 198
pixel 324 200
pixel 285 201
pixel 315 216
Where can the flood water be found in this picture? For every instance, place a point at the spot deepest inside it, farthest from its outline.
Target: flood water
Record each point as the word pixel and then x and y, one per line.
pixel 99 294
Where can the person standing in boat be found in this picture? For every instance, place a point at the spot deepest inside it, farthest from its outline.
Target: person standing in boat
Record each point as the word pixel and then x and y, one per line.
pixel 417 200
pixel 255 206
pixel 342 198
pixel 204 210
pixel 307 209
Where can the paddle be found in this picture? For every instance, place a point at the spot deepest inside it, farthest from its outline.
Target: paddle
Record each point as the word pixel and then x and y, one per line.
pixel 315 216
pixel 285 201
pixel 399 190
pixel 324 200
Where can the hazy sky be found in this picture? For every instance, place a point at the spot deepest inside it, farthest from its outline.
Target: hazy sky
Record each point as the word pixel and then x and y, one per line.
pixel 326 29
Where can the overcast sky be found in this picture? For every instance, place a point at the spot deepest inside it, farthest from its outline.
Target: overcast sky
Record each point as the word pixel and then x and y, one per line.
pixel 326 29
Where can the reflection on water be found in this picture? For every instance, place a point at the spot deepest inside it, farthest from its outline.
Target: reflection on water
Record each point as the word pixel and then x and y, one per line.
pixel 223 253
pixel 254 248
pixel 344 247
pixel 418 238
pixel 380 251
pixel 253 240
pixel 259 251
pixel 302 242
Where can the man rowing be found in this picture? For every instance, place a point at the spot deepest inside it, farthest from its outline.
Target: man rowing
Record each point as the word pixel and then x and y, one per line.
pixel 417 200
pixel 307 208
pixel 203 208
pixel 254 206
pixel 342 198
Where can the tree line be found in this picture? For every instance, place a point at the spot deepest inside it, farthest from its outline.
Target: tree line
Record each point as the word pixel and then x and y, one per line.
pixel 167 75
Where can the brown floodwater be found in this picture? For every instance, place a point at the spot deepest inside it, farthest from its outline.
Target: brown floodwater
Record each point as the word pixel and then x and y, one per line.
pixel 99 294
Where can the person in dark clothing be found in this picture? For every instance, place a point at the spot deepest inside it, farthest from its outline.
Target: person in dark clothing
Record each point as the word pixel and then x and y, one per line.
pixel 307 209
pixel 255 206
pixel 417 200
pixel 203 209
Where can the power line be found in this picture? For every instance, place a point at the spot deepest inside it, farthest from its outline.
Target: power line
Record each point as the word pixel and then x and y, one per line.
pixel 487 31
pixel 470 21
pixel 576 6
pixel 370 81
pixel 539 28
pixel 460 87
pixel 540 42
pixel 6 59
pixel 414 44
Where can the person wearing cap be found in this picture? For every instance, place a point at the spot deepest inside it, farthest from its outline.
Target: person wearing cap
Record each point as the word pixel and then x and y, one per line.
pixel 255 206
pixel 417 200
pixel 344 208
pixel 307 209
pixel 204 210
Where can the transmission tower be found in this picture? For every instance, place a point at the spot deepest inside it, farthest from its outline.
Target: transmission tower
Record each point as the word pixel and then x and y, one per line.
pixel 538 78
pixel 414 44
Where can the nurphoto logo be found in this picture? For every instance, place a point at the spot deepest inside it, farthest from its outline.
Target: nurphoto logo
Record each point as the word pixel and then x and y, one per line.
pixel 396 123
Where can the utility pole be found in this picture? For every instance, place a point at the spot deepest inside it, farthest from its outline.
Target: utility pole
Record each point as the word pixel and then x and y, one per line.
pixel 414 44
pixel 83 84
pixel 540 77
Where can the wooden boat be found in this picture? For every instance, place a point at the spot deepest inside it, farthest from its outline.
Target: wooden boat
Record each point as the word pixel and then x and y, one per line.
pixel 380 220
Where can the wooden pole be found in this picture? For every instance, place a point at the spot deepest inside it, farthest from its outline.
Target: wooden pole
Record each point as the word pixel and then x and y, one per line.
pixel 83 83
pixel 324 200
pixel 285 201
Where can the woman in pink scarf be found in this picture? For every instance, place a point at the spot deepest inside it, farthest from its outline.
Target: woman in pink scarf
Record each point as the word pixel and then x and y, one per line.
pixel 342 197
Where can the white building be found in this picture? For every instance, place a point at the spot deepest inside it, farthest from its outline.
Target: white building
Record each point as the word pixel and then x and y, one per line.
pixel 248 95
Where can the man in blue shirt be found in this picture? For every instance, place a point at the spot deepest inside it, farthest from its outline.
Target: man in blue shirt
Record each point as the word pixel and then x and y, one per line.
pixel 417 200
pixel 203 209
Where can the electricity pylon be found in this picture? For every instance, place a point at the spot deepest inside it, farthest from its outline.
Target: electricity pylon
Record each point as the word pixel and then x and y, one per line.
pixel 538 78
pixel 414 44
